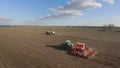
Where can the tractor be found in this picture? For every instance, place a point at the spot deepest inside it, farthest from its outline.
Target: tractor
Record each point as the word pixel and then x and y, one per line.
pixel 78 49
pixel 50 33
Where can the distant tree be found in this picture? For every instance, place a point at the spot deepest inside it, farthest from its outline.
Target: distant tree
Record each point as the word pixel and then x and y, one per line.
pixel 117 29
pixel 103 28
pixel 111 27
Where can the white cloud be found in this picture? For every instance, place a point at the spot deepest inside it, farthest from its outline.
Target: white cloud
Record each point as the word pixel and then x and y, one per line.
pixel 8 21
pixel 5 19
pixel 73 9
pixel 109 1
pixel 116 17
pixel 82 4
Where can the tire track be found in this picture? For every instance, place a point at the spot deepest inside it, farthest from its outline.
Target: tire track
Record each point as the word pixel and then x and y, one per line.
pixel 107 60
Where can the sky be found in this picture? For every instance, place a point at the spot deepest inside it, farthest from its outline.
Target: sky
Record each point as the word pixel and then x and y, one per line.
pixel 60 12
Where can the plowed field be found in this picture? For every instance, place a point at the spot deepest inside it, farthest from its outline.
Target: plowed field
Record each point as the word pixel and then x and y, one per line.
pixel 29 47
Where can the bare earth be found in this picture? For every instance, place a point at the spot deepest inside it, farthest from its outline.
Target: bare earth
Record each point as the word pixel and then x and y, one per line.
pixel 29 47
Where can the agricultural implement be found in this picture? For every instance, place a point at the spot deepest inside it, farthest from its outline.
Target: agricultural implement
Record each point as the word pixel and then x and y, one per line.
pixel 50 33
pixel 79 49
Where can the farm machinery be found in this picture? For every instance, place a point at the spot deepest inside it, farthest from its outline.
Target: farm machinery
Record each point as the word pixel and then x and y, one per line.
pixel 50 33
pixel 79 49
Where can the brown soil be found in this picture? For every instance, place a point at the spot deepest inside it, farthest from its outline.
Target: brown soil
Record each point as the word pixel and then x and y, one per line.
pixel 29 47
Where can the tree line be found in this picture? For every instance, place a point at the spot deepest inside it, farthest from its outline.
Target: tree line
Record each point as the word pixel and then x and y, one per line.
pixel 109 27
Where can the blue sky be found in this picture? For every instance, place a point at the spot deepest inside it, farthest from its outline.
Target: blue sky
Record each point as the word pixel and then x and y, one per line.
pixel 60 12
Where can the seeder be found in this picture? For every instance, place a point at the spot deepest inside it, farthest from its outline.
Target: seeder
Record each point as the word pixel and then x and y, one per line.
pixel 79 49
